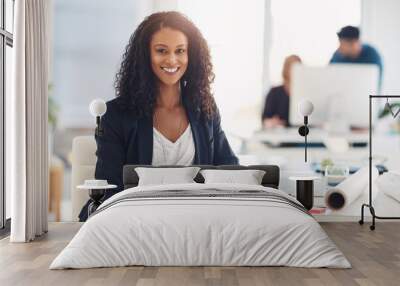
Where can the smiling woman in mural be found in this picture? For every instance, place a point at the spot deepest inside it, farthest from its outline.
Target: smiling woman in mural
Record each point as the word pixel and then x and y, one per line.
pixel 164 112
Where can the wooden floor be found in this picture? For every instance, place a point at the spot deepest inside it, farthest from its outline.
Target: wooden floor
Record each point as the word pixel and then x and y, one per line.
pixel 374 255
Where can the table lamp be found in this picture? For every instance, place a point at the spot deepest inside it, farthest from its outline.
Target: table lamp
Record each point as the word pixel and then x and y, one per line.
pixel 96 188
pixel 305 109
pixel 305 184
pixel 97 109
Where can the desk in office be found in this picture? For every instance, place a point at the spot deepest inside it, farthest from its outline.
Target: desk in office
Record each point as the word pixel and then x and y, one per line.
pixel 291 162
pixel 289 138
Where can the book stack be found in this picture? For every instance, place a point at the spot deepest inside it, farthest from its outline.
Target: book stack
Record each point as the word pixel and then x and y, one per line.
pixel 317 210
pixel 319 202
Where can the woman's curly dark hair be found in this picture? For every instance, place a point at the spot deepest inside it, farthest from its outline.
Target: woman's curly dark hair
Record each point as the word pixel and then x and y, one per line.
pixel 136 83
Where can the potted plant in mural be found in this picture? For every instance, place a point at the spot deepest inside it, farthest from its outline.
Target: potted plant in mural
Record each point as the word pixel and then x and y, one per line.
pixel 392 112
pixel 53 109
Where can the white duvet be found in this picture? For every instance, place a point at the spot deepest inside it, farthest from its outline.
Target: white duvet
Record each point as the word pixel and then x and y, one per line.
pixel 200 231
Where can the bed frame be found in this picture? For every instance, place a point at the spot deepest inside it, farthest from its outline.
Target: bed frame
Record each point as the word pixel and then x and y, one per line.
pixel 84 162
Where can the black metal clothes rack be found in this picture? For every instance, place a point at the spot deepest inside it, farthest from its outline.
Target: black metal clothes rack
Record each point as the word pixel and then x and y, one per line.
pixel 369 205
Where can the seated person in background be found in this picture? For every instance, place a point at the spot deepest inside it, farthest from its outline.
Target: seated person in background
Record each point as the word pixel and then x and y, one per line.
pixel 164 112
pixel 276 108
pixel 351 50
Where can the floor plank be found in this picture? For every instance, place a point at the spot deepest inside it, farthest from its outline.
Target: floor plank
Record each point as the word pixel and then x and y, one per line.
pixel 374 255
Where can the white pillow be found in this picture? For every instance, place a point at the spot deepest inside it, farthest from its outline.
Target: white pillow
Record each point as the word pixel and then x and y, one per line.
pixel 248 177
pixel 163 176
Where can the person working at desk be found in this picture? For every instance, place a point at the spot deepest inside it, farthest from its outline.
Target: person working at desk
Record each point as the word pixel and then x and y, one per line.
pixel 351 50
pixel 276 108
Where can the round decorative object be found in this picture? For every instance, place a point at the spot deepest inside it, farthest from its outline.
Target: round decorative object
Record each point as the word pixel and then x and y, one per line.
pixel 303 130
pixel 335 174
pixel 306 107
pixel 97 107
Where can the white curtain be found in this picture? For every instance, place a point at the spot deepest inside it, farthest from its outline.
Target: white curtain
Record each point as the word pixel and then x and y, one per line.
pixel 27 153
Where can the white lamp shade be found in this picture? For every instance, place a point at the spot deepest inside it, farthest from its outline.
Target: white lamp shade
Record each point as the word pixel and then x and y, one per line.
pixel 97 107
pixel 306 107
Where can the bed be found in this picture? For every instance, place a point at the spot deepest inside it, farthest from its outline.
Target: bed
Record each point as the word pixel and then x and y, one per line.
pixel 198 224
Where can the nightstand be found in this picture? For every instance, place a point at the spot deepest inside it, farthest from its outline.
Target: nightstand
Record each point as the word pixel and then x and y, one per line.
pixel 305 190
pixel 97 189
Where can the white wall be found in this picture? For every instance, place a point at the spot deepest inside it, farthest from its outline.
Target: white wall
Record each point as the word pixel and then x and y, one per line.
pixel 89 39
pixel 380 27
pixel 234 31
pixel 165 5
pixel 308 28
pixel 266 75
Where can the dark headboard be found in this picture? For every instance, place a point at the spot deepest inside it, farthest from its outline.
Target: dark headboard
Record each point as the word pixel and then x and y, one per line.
pixel 270 179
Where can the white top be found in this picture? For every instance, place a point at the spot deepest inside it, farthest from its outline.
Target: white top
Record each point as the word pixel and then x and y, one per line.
pixel 93 187
pixel 180 152
pixel 304 178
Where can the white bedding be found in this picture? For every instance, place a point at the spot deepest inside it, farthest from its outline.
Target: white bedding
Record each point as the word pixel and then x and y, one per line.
pixel 184 231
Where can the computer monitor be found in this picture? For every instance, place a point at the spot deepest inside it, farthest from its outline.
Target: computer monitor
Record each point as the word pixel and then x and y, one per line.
pixel 339 92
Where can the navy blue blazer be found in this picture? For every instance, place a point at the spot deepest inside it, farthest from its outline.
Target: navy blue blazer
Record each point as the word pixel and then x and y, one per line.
pixel 128 139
